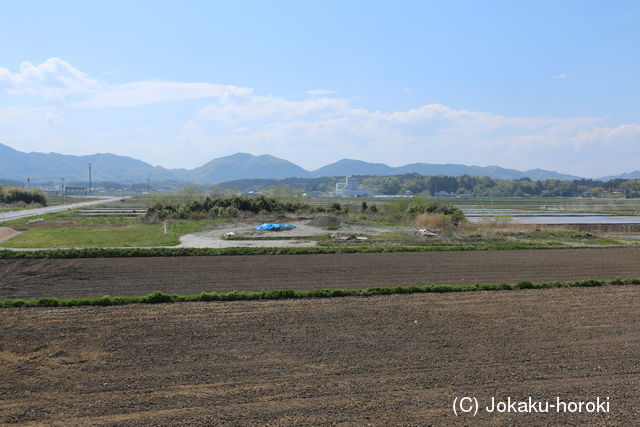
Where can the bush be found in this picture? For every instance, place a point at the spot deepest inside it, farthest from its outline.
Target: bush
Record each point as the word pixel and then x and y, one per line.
pixel 228 207
pixel 21 195
pixel 411 208
pixel 156 297
pixel 525 285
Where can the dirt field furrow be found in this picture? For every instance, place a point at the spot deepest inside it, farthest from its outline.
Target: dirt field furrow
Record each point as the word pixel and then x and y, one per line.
pixel 390 360
pixel 185 275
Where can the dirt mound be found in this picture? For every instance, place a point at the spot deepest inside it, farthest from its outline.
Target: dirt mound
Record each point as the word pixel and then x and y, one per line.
pixel 325 221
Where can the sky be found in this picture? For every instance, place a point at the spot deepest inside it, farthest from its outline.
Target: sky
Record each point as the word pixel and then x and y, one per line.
pixel 528 84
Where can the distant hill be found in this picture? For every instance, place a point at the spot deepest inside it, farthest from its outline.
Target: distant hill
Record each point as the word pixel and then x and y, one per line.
pixel 105 167
pixel 17 165
pixel 11 183
pixel 346 167
pixel 246 166
pixel 357 167
pixel 626 175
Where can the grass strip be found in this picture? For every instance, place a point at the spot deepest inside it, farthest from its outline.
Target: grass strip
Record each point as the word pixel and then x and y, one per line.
pixel 159 297
pixel 175 252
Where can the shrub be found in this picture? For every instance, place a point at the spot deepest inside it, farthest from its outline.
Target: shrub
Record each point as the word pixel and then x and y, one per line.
pixel 156 298
pixel 223 207
pixel 525 285
pixel 411 208
pixel 21 195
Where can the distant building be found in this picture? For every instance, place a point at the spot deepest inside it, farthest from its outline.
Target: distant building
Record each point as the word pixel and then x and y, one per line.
pixel 76 189
pixel 351 188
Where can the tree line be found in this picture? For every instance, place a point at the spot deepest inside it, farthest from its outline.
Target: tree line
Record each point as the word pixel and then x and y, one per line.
pixel 452 185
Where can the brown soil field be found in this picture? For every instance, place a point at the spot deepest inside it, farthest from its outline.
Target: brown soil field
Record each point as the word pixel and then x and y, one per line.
pixel 189 275
pixel 390 360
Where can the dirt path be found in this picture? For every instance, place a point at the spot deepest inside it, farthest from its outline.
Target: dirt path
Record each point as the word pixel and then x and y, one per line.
pixel 215 238
pixel 392 360
pixel 6 233
pixel 187 275
pixel 6 216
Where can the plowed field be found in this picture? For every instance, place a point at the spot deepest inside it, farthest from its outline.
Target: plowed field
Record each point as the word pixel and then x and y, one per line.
pixel 391 360
pixel 186 275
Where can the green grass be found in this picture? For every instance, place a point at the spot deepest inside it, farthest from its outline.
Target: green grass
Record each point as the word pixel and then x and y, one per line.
pixel 159 297
pixel 114 252
pixel 48 216
pixel 107 232
pixel 10 208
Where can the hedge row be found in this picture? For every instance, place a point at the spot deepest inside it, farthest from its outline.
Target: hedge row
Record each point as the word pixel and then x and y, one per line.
pixel 224 207
pixel 158 297
pixel 175 252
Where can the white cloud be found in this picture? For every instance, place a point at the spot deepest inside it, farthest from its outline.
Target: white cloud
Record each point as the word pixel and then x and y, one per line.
pixel 58 79
pixel 316 131
pixel 54 78
pixel 236 109
pixel 560 76
pixel 320 92
pixel 151 92
pixel 24 115
pixel 627 134
pixel 53 118
pixel 312 131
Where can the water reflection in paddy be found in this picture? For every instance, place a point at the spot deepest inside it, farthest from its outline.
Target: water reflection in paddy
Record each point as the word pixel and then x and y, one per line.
pixel 522 216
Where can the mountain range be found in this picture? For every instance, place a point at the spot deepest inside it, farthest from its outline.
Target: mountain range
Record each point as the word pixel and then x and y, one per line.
pixel 42 167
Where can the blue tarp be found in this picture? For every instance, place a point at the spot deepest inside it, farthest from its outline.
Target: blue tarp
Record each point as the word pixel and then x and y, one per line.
pixel 272 227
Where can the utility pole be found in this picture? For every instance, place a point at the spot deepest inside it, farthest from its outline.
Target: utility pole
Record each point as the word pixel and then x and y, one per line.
pixel 148 187
pixel 62 189
pixel 89 178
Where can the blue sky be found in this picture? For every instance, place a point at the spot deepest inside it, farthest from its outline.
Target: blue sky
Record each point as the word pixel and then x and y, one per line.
pixel 533 84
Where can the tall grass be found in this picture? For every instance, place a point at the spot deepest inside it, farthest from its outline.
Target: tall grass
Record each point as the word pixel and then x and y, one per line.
pixel 434 221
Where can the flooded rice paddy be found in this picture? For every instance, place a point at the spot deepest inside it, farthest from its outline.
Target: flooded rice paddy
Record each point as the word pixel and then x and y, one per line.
pixel 548 216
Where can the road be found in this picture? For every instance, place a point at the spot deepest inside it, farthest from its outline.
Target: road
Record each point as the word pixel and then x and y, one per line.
pixel 6 216
pixel 34 278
